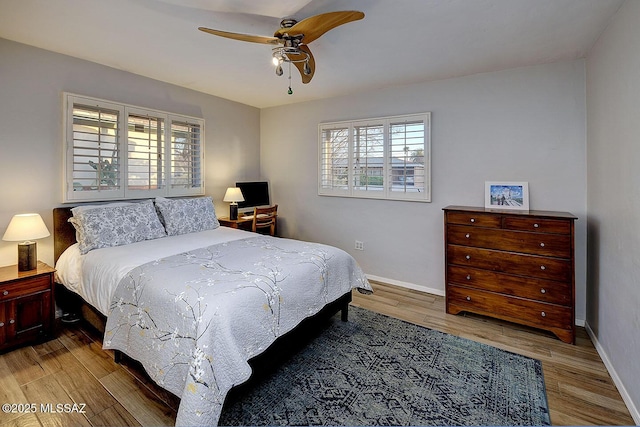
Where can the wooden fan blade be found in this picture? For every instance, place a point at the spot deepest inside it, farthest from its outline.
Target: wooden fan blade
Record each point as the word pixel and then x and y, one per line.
pixel 315 26
pixel 241 37
pixel 306 78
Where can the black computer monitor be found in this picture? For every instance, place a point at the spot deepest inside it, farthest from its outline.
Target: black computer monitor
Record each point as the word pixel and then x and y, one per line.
pixel 255 193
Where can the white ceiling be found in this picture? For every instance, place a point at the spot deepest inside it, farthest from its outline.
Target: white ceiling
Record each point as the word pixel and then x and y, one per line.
pixel 398 42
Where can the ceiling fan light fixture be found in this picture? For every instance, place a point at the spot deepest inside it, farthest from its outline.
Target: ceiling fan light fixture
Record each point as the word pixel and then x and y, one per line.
pixel 292 38
pixel 289 54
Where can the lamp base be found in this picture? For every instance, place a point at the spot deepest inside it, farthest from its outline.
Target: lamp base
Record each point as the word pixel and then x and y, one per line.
pixel 27 256
pixel 233 212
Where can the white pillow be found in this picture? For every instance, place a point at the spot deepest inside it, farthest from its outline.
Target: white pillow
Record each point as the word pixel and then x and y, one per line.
pixel 115 225
pixel 182 216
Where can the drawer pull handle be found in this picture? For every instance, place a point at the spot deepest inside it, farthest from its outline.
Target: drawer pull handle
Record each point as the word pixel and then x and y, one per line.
pixel 12 321
pixel 542 267
pixel 542 245
pixel 468 257
pixel 468 298
pixel 543 314
pixel 543 291
pixel 1 324
pixel 468 277
pixel 467 235
pixel 535 226
pixel 472 220
pixel 5 293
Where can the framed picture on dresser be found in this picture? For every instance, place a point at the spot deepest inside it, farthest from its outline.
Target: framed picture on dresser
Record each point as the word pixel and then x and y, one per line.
pixel 506 195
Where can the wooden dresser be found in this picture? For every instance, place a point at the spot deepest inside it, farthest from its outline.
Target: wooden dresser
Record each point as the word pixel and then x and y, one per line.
pixel 512 265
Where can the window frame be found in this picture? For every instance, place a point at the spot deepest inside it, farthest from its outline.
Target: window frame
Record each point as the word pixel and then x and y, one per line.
pixel 326 188
pixel 166 187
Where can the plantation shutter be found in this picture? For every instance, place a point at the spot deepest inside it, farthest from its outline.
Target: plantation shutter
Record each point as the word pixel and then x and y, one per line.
pixel 368 156
pixel 334 160
pixel 186 156
pixel 93 151
pixel 407 157
pixel 145 154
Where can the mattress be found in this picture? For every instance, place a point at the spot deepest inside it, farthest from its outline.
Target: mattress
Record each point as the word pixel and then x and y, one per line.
pixel 95 275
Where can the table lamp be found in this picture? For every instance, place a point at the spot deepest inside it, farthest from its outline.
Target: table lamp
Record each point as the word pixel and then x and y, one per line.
pixel 25 228
pixel 233 195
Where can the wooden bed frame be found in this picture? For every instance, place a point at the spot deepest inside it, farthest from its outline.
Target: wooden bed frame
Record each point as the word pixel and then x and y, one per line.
pixel 64 235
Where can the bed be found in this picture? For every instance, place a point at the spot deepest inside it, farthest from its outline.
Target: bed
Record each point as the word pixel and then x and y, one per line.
pixel 191 301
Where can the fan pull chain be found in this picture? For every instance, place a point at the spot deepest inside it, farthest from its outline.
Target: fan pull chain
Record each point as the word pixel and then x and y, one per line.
pixel 290 91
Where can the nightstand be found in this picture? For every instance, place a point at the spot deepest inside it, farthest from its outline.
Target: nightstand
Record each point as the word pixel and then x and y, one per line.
pixel 27 310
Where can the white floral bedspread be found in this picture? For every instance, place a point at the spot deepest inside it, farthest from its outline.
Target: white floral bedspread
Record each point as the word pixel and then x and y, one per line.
pixel 194 320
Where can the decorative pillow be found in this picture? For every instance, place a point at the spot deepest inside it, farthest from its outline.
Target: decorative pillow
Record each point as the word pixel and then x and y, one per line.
pixel 115 225
pixel 182 216
pixel 82 208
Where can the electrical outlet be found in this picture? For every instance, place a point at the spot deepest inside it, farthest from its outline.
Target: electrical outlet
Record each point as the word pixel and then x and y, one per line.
pixel 359 245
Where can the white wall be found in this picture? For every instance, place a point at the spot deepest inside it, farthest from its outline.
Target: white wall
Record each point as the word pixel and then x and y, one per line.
pixel 525 124
pixel 613 152
pixel 31 85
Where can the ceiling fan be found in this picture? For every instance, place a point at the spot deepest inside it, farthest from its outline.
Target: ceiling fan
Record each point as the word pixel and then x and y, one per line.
pixel 292 40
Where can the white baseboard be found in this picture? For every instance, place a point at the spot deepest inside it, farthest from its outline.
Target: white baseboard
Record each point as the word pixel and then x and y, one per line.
pixel 635 414
pixel 408 285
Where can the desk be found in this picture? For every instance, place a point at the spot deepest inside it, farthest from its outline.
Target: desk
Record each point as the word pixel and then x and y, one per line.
pixel 241 223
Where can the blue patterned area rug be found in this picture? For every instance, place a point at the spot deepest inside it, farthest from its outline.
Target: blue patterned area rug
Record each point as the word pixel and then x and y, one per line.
pixel 376 370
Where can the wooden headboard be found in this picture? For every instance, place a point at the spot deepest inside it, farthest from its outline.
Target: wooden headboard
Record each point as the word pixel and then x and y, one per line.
pixel 64 235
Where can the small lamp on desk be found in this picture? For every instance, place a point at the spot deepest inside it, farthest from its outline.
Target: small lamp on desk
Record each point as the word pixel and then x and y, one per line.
pixel 25 228
pixel 233 195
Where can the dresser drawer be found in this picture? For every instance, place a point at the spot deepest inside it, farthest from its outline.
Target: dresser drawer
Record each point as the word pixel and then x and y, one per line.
pixel 24 287
pixel 554 245
pixel 537 289
pixel 538 225
pixel 508 262
pixel 474 219
pixel 533 313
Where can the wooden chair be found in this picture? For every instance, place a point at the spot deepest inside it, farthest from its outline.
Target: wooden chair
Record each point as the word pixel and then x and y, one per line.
pixel 264 218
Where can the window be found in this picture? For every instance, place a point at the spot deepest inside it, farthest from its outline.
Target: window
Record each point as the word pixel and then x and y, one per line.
pixel 116 151
pixel 146 145
pixel 185 154
pixel 384 158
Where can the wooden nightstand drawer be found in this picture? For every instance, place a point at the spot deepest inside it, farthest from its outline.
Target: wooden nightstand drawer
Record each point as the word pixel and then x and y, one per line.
pixel 24 287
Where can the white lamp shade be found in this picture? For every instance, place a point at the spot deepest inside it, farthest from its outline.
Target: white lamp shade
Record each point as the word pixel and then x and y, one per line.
pixel 25 227
pixel 233 194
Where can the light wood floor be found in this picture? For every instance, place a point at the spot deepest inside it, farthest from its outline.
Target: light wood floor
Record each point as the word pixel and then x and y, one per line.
pixel 74 369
